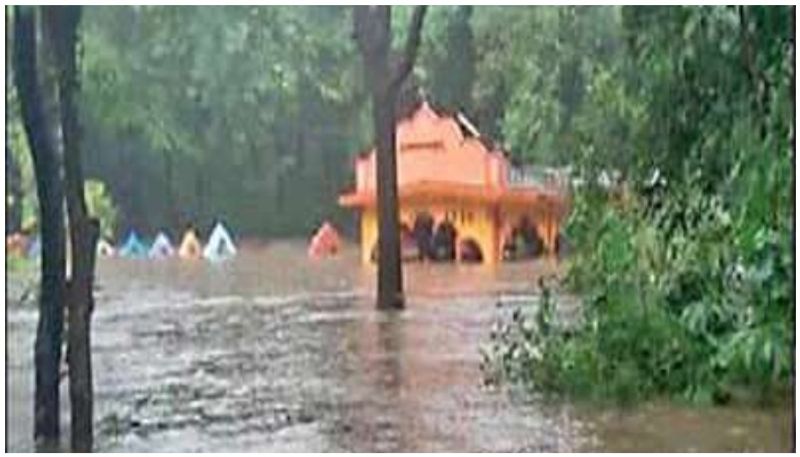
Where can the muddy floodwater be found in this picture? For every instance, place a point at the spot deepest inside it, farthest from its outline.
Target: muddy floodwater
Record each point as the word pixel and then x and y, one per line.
pixel 273 352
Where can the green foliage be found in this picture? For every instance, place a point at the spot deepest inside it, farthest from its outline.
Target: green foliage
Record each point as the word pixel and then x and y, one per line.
pixel 18 145
pixel 246 113
pixel 683 315
pixel 29 201
pixel 253 114
pixel 535 63
pixel 684 264
pixel 451 60
pixel 100 205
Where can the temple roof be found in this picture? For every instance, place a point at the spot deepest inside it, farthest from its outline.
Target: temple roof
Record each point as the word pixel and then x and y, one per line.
pixel 441 156
pixel 425 111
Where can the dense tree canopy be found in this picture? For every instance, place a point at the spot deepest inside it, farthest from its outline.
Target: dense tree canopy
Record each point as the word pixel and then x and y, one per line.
pixel 253 114
pixel 245 113
pixel 685 265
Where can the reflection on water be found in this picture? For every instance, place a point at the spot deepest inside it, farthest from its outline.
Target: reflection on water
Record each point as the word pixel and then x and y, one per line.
pixel 273 352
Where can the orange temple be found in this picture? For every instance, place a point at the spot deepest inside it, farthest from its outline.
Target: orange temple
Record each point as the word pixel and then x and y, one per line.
pixel 445 171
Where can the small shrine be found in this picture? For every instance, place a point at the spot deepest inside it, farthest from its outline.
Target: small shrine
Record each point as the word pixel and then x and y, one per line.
pixel 461 192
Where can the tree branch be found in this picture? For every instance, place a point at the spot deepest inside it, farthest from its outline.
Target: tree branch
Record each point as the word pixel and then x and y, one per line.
pixel 413 39
pixel 371 29
pixel 359 26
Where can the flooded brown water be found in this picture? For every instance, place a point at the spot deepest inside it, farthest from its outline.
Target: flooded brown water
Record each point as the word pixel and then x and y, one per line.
pixel 273 352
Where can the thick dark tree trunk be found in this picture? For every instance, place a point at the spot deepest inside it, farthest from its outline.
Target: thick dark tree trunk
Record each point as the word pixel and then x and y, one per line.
pixel 63 23
pixel 390 273
pixel 372 30
pixel 48 187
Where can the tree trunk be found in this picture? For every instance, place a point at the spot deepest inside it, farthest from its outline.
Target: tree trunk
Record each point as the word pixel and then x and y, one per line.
pixel 48 187
pixel 390 273
pixel 372 31
pixel 63 23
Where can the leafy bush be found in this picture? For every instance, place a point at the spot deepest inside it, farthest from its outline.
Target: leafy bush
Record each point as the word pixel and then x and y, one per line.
pixel 677 311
